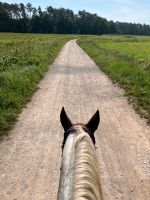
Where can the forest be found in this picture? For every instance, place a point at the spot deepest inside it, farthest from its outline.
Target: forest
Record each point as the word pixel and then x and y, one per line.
pixel 21 18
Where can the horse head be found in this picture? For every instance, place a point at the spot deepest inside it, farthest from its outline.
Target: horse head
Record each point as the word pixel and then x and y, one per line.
pixel 79 175
pixel 68 126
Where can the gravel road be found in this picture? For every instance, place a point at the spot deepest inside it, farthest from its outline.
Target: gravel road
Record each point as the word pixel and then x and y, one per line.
pixel 30 155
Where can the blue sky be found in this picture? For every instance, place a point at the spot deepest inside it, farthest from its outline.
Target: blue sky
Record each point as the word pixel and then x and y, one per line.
pixel 117 10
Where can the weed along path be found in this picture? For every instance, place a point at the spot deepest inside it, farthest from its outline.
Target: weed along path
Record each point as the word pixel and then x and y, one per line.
pixel 30 155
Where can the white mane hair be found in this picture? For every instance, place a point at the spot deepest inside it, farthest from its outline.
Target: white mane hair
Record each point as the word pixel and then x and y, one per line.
pixel 79 178
pixel 86 183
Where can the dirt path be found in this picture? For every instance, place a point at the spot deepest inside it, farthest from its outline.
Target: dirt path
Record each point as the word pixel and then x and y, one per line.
pixel 30 156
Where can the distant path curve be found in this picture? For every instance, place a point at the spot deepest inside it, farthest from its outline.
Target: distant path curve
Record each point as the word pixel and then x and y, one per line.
pixel 30 156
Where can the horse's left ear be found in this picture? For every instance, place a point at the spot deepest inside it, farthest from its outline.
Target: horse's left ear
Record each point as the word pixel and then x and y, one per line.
pixel 93 123
pixel 65 121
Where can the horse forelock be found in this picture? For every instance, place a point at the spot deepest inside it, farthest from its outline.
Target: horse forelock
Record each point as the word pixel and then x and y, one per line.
pixel 75 129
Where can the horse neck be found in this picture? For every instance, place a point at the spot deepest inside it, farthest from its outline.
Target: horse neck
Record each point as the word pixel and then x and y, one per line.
pixel 86 173
pixel 67 170
pixel 79 168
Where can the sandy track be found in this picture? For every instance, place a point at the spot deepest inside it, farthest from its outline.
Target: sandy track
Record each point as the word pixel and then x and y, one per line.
pixel 30 156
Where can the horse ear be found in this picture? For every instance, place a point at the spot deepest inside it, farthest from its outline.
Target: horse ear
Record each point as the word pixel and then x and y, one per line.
pixel 65 121
pixel 93 123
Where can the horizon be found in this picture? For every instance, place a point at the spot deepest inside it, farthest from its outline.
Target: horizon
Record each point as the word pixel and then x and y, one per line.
pixel 130 11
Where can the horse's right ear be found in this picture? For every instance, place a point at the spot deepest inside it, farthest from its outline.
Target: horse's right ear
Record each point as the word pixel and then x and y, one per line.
pixel 65 121
pixel 92 125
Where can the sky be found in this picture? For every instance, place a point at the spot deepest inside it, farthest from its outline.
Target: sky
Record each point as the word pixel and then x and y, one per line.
pixel 137 11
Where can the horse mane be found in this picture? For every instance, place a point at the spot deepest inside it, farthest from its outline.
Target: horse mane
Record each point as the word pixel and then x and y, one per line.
pixel 86 183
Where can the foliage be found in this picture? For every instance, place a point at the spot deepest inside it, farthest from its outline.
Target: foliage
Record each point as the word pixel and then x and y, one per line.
pixel 26 18
pixel 126 60
pixel 24 58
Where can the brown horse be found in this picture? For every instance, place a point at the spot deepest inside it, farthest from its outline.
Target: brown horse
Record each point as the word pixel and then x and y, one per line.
pixel 79 178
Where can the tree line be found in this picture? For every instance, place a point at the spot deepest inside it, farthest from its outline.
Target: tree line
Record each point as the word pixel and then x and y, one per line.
pixel 28 19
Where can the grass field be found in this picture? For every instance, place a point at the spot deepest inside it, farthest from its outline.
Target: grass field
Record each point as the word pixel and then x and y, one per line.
pixel 24 58
pixel 126 59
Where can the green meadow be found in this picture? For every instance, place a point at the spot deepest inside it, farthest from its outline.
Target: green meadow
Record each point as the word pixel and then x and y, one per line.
pixel 24 59
pixel 126 60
